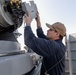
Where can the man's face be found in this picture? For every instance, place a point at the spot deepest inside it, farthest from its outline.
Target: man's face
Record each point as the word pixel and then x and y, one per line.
pixel 52 34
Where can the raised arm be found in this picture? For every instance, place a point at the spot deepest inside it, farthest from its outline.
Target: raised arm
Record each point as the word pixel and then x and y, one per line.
pixel 40 32
pixel 38 45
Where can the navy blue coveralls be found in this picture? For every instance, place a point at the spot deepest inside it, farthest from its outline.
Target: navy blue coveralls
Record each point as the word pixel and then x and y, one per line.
pixel 52 51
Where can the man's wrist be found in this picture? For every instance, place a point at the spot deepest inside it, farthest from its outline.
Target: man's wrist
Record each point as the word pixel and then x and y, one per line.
pixel 38 26
pixel 27 24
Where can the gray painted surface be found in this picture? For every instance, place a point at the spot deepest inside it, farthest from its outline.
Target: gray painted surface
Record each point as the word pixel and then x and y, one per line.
pixel 71 58
pixel 31 7
pixel 5 18
pixel 9 46
pixel 16 65
pixel 13 62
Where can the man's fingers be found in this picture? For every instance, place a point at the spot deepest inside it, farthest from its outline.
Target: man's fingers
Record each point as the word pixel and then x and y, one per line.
pixel 25 15
pixel 28 13
pixel 37 12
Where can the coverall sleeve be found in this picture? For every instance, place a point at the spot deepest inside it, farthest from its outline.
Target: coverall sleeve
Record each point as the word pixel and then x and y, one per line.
pixel 41 46
pixel 40 33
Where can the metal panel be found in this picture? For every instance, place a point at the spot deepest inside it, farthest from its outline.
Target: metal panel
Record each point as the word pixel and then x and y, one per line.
pixel 16 65
pixel 71 55
pixel 9 46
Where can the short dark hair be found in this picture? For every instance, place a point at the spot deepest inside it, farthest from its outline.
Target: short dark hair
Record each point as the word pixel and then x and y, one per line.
pixel 61 37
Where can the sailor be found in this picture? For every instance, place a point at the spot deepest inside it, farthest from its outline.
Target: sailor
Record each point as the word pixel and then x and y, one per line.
pixel 50 47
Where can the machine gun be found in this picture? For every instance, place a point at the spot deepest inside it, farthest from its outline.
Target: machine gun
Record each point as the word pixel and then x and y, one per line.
pixel 13 60
pixel 12 11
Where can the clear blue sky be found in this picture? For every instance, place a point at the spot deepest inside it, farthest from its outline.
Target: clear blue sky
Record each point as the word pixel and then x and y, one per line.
pixel 57 10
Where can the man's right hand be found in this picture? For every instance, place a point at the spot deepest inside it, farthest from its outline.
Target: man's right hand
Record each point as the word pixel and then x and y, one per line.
pixel 38 20
pixel 27 19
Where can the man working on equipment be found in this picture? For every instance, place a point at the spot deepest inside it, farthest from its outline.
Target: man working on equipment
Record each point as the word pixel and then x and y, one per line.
pixel 50 47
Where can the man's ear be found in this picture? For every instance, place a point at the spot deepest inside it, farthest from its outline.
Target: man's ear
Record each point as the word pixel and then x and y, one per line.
pixel 57 33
